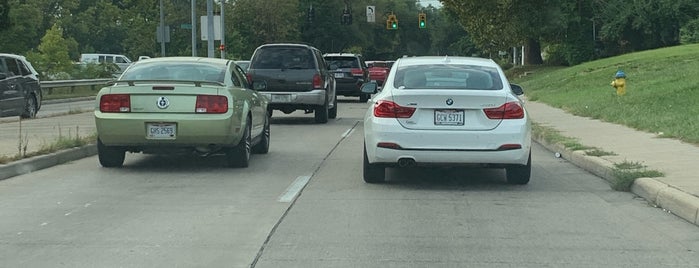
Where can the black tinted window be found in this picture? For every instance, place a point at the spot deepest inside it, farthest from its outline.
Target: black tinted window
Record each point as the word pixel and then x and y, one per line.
pixel 343 62
pixel 448 77
pixel 283 58
pixel 12 67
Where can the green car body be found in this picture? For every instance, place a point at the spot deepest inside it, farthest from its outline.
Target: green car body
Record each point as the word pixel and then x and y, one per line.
pixel 181 104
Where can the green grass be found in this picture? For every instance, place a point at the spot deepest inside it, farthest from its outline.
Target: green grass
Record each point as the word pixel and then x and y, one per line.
pixel 662 90
pixel 553 136
pixel 598 152
pixel 625 173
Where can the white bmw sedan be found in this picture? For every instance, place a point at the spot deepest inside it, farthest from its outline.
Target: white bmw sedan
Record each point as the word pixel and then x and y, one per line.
pixel 446 111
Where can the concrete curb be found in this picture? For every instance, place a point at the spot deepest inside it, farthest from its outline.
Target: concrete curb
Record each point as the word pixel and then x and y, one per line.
pixel 660 194
pixel 28 165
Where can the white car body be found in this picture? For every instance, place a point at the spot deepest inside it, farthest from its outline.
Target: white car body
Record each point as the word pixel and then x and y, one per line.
pixel 459 90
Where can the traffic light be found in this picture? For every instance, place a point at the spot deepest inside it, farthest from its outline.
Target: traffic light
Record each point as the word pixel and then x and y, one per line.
pixel 422 21
pixel 392 22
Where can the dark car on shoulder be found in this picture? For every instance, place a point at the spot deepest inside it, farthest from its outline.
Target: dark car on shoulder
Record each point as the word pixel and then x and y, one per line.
pixel 20 91
pixel 294 77
pixel 350 72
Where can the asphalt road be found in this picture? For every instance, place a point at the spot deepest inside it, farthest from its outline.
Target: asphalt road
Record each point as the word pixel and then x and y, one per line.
pixel 165 211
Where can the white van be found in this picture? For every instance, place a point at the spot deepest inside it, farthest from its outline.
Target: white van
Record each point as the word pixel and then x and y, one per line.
pixel 120 60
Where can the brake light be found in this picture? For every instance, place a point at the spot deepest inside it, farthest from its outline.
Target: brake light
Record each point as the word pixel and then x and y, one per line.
pixel 317 82
pixel 357 72
pixel 115 103
pixel 390 109
pixel 249 77
pixel 510 110
pixel 208 104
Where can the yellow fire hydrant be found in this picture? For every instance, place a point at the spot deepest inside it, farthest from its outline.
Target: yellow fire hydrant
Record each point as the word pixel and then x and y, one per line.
pixel 620 83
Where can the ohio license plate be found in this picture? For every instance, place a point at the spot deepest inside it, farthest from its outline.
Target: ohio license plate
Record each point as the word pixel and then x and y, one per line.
pixel 161 131
pixel 281 98
pixel 449 117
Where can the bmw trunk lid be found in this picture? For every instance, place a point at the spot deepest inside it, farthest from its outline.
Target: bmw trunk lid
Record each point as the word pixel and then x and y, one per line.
pixel 448 109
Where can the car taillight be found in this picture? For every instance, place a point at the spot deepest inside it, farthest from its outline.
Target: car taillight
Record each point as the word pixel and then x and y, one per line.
pixel 115 103
pixel 510 110
pixel 390 109
pixel 357 72
pixel 249 77
pixel 208 104
pixel 317 82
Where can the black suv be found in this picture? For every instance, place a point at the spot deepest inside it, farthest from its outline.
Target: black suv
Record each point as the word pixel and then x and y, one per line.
pixel 294 77
pixel 20 91
pixel 350 72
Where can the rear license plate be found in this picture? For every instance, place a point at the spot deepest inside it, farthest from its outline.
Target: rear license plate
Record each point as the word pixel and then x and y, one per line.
pixel 449 117
pixel 161 131
pixel 339 75
pixel 281 98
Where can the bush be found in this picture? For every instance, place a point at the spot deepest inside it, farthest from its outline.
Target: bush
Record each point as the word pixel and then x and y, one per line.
pixel 94 70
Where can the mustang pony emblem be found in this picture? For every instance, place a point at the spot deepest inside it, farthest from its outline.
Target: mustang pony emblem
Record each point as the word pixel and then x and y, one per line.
pixel 163 102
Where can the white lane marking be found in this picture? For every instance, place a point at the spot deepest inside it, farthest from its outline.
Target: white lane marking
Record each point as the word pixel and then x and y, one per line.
pixel 44 224
pixel 294 189
pixel 347 133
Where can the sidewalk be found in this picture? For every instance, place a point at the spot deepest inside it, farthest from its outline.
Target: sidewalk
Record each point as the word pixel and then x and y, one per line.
pixel 676 192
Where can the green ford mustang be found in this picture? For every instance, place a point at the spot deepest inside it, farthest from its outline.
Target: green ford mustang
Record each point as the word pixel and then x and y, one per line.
pixel 181 104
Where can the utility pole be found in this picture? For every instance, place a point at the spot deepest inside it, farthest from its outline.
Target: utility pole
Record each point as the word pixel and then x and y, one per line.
pixel 194 27
pixel 223 39
pixel 162 29
pixel 210 27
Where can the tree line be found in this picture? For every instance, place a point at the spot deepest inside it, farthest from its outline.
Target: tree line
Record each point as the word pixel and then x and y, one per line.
pixel 53 33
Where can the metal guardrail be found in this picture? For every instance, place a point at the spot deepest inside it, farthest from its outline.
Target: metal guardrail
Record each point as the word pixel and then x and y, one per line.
pixel 48 86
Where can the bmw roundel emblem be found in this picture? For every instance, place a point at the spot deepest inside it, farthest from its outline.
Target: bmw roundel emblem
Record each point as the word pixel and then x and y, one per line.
pixel 450 101
pixel 163 102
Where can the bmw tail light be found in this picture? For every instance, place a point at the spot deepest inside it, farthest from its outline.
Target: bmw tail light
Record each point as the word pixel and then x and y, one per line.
pixel 390 109
pixel 115 103
pixel 510 110
pixel 357 72
pixel 317 82
pixel 209 104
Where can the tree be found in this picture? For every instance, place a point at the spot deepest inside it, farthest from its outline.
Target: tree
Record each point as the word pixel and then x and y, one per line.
pixel 52 58
pixel 4 14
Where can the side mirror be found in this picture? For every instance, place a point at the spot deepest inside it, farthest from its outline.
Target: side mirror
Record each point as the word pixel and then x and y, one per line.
pixel 259 85
pixel 369 87
pixel 517 89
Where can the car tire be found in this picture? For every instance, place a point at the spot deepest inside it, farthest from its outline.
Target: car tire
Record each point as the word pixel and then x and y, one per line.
pixel 239 156
pixel 110 156
pixel 262 147
pixel 321 114
pixel 519 174
pixel 373 173
pixel 332 114
pixel 363 97
pixel 30 107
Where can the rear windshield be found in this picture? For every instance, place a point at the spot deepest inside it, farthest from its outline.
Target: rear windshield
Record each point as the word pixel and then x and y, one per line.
pixel 187 71
pixel 440 76
pixel 342 62
pixel 283 58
